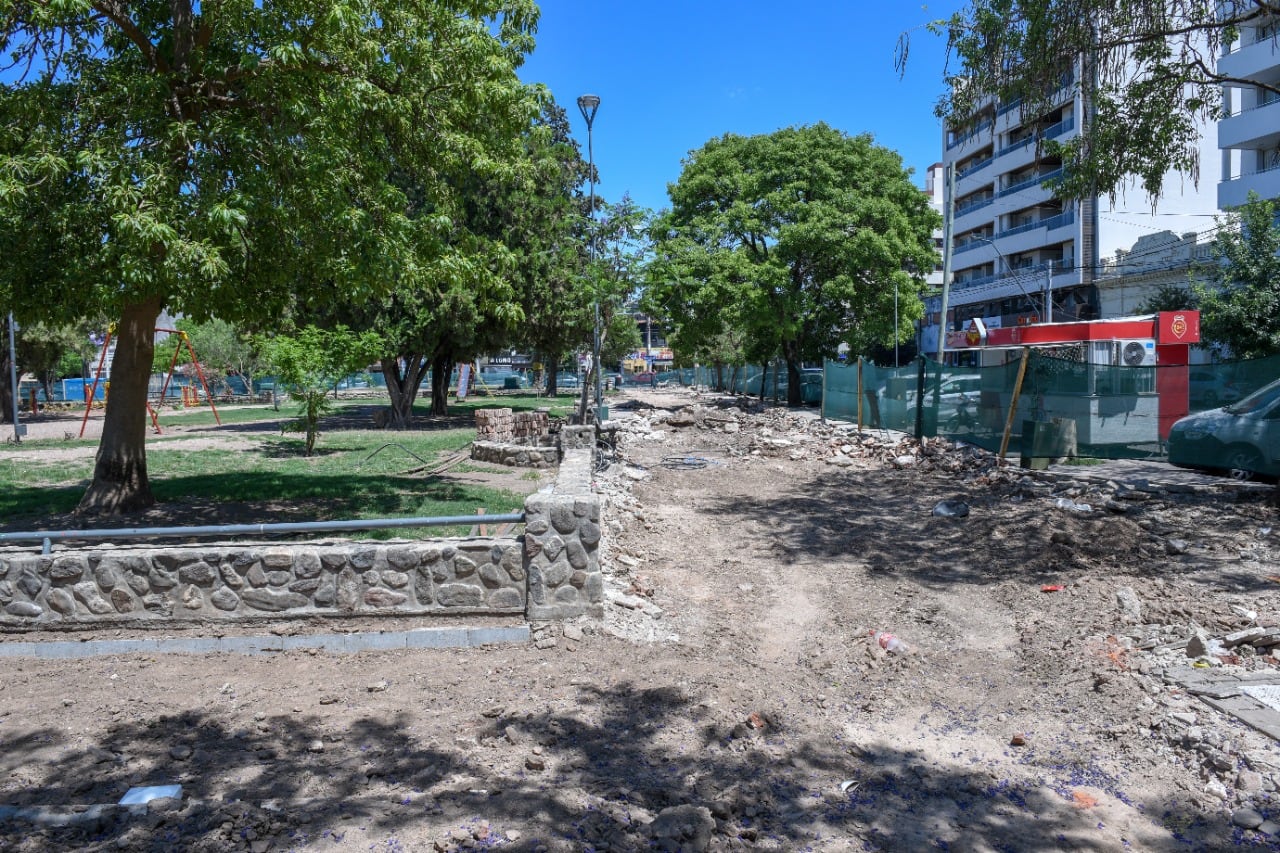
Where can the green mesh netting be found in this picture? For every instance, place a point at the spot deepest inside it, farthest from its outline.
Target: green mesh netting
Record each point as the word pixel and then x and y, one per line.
pixel 1066 406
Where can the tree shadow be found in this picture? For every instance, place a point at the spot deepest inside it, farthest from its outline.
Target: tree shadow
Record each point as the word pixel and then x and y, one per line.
pixel 579 779
pixel 877 516
pixel 256 497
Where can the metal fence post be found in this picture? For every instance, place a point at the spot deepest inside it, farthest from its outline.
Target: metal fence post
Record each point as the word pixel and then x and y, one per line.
pixel 920 398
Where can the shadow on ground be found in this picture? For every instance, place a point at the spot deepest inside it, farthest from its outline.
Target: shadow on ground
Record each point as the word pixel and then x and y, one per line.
pixel 610 771
pixel 877 516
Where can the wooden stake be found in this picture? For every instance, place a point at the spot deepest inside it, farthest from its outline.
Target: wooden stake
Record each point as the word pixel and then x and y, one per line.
pixel 1013 405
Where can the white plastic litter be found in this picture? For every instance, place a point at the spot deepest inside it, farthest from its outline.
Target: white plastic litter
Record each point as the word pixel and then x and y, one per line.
pixel 147 793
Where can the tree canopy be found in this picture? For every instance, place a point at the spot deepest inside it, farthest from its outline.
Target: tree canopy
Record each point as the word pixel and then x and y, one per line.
pixel 795 239
pixel 228 158
pixel 1148 68
pixel 1240 307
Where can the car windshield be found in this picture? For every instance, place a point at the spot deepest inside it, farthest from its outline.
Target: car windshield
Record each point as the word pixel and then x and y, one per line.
pixel 1259 399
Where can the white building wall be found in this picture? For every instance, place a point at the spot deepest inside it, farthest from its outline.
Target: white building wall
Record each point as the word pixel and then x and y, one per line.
pixel 1249 135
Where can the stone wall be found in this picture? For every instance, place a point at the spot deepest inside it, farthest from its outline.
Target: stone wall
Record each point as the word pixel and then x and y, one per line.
pixel 516 455
pixel 562 536
pixel 131 584
pixel 552 572
pixel 521 439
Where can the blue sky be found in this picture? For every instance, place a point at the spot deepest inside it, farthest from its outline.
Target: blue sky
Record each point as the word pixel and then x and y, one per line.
pixel 672 75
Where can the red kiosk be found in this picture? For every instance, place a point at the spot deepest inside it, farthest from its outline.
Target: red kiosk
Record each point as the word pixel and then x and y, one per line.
pixel 1162 340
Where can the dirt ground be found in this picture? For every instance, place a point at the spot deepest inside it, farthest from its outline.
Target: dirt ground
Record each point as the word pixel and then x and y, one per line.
pixel 733 697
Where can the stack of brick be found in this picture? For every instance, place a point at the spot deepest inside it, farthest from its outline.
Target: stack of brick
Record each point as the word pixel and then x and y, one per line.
pixel 494 424
pixel 501 425
pixel 530 427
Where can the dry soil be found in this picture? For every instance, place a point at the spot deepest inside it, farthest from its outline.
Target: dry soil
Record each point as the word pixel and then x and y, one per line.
pixel 733 697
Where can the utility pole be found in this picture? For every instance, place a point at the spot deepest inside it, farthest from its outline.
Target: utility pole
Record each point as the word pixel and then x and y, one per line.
pixel 1048 294
pixel 948 225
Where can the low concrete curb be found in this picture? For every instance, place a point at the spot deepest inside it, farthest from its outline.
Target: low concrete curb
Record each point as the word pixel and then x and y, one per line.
pixel 424 638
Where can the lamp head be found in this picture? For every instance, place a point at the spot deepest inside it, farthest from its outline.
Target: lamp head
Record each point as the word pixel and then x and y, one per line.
pixel 588 104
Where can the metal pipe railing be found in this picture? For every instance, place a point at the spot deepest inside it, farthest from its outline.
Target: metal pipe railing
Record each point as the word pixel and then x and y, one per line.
pixel 47 537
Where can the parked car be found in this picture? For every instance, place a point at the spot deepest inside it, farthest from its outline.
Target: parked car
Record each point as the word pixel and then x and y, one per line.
pixel 1241 439
pixel 567 380
pixel 502 380
pixel 811 385
pixel 957 401
pixel 1209 389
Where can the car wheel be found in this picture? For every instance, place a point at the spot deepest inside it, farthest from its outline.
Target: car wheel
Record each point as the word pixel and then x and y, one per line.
pixel 1243 463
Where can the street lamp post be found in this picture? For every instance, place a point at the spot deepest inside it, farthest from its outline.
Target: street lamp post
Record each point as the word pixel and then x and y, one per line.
pixel 18 429
pixel 588 104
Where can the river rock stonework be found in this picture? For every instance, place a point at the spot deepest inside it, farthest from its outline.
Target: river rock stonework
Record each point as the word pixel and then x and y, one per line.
pixel 515 455
pixel 445 576
pixel 552 572
pixel 562 537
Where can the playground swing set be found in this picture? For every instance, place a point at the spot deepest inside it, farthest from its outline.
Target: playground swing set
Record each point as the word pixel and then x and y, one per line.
pixel 190 396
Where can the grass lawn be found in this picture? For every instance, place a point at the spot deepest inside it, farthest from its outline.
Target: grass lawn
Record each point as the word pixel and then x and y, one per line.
pixel 247 472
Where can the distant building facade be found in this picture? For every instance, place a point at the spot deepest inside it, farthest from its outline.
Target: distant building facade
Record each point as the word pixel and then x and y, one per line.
pixel 1156 261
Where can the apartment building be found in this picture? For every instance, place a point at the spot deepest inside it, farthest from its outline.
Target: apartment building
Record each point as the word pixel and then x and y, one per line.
pixel 1249 134
pixel 1018 254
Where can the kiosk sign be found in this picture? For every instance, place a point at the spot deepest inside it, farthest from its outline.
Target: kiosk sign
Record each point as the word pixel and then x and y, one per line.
pixel 1178 327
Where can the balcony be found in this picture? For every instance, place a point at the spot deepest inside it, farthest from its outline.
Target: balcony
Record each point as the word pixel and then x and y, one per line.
pixel 1053 131
pixel 1016 146
pixel 1256 127
pixel 970 245
pixel 974 168
pixel 972 134
pixel 1035 181
pixel 971 206
pixel 1248 61
pixel 1009 107
pixel 1067 217
pixel 1234 192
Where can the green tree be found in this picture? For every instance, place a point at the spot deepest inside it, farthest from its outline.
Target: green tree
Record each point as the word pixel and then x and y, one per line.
pixel 796 240
pixel 1168 297
pixel 222 349
pixel 310 361
pixel 547 226
pixel 614 278
pixel 456 306
pixel 208 157
pixel 1240 307
pixel 1148 68
pixel 42 347
pixel 43 350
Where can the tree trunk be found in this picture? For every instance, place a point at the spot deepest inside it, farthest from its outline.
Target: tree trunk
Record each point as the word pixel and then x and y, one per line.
pixel 552 372
pixel 791 351
pixel 441 366
pixel 120 473
pixel 403 387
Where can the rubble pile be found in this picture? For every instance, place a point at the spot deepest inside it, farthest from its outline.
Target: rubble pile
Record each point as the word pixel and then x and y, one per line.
pixel 751 429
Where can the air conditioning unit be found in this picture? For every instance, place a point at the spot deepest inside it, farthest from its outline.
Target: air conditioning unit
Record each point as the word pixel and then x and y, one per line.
pixel 1136 353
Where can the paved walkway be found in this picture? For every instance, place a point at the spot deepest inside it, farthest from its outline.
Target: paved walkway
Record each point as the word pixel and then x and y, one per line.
pixel 1144 473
